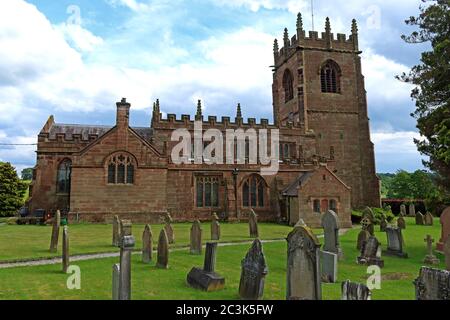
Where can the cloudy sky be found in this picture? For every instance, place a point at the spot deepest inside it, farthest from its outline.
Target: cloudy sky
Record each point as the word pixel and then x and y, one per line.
pixel 75 58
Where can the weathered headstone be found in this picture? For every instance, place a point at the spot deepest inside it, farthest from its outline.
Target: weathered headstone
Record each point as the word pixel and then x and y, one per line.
pixel 147 244
pixel 55 232
pixel 65 250
pixel 115 281
pixel 432 284
pixel 253 224
pixel 363 236
pixel 355 291
pixel 445 229
pixel 367 225
pixel 169 228
pixel 383 224
pixel 395 242
pixel 447 253
pixel 412 210
pixel 430 258
pixel 371 253
pixel 196 238
pixel 163 251
pixel 368 213
pixel 253 271
pixel 428 219
pixel 401 223
pixel 207 279
pixel 303 265
pixel 127 242
pixel 329 261
pixel 330 224
pixel 402 210
pixel 116 231
pixel 419 219
pixel 215 227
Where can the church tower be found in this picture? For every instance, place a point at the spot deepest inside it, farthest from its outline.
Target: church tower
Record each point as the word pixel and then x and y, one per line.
pixel 318 86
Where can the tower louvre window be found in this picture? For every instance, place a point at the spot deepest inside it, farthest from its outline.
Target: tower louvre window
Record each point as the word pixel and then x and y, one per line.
pixel 288 85
pixel 330 75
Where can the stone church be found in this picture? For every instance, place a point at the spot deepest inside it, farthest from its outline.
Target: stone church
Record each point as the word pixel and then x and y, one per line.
pixel 326 157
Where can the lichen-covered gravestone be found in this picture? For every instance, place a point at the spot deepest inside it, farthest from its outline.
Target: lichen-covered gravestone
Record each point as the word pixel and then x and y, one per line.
pixel 412 210
pixel 196 238
pixel 445 229
pixel 116 231
pixel 55 232
pixel 169 229
pixel 383 224
pixel 368 221
pixel 253 271
pixel 215 227
pixel 432 284
pixel 303 265
pixel 401 223
pixel 447 254
pixel 207 279
pixel 127 243
pixel 115 281
pixel 355 291
pixel 363 236
pixel 395 242
pixel 253 224
pixel 371 253
pixel 419 219
pixel 163 251
pixel 147 244
pixel 402 210
pixel 65 250
pixel 430 258
pixel 330 224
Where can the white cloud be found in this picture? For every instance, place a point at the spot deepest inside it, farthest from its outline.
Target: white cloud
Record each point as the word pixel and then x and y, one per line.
pixel 82 39
pixel 394 143
pixel 131 4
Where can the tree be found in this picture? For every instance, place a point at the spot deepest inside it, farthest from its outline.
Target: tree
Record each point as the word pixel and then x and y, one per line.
pixel 27 174
pixel 432 87
pixel 12 190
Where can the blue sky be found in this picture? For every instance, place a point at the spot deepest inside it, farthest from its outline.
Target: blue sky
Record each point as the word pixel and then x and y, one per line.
pixel 75 58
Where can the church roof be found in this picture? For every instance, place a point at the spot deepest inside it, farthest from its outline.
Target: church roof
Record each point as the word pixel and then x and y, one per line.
pixel 291 190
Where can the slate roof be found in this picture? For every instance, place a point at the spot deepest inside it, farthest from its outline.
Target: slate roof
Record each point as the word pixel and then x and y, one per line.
pixel 291 190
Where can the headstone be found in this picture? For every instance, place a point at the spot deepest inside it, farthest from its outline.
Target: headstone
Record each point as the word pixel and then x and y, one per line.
pixel 330 224
pixel 383 224
pixel 163 251
pixel 412 210
pixel 196 238
pixel 126 248
pixel 445 229
pixel 401 223
pixel 147 244
pixel 447 254
pixel 355 291
pixel 170 233
pixel 363 236
pixel 430 258
pixel 370 253
pixel 368 213
pixel 207 279
pixel 55 232
pixel 115 281
pixel 367 225
pixel 303 265
pixel 432 284
pixel 253 271
pixel 215 227
pixel 395 242
pixel 253 224
pixel 402 210
pixel 300 222
pixel 65 250
pixel 116 231
pixel 329 261
pixel 428 219
pixel 419 219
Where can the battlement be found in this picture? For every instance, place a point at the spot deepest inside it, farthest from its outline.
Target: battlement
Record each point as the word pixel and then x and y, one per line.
pixel 326 41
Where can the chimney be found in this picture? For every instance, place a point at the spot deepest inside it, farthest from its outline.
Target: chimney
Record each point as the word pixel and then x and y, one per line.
pixel 123 113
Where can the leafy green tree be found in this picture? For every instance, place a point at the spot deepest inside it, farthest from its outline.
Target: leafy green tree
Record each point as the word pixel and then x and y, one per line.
pixel 27 174
pixel 432 86
pixel 12 190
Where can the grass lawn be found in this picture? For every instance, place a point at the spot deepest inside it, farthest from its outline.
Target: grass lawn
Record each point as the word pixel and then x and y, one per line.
pixel 31 242
pixel 48 282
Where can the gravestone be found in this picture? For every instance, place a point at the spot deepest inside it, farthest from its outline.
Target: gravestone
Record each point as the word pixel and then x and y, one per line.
pixel 402 210
pixel 116 231
pixel 169 228
pixel 432 284
pixel 253 271
pixel 383 224
pixel 445 229
pixel 127 242
pixel 329 261
pixel 412 210
pixel 363 236
pixel 253 224
pixel 215 227
pixel 147 244
pixel 368 213
pixel 447 254
pixel 115 281
pixel 207 279
pixel 428 219
pixel 430 258
pixel 367 224
pixel 65 250
pixel 371 253
pixel 196 238
pixel 330 224
pixel 419 219
pixel 163 251
pixel 355 291
pixel 395 242
pixel 55 232
pixel 401 223
pixel 303 265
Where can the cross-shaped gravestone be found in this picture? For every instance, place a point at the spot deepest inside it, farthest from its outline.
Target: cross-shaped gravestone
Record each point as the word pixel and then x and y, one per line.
pixel 430 258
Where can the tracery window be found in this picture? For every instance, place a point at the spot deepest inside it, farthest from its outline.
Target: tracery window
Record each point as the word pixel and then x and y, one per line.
pixel 121 169
pixel 253 190
pixel 288 85
pixel 63 176
pixel 330 75
pixel 207 192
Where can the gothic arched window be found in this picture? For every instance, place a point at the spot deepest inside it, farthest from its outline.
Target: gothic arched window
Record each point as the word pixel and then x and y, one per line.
pixel 63 177
pixel 121 169
pixel 288 85
pixel 253 192
pixel 330 77
pixel 333 205
pixel 207 192
pixel 316 206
